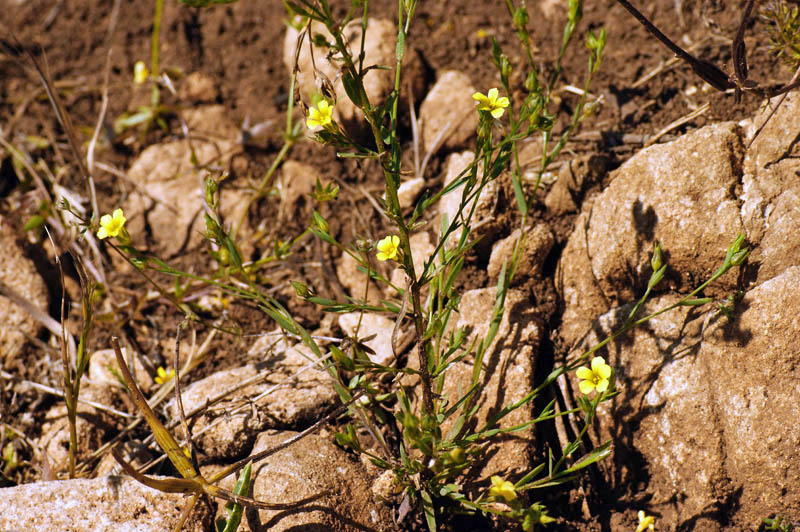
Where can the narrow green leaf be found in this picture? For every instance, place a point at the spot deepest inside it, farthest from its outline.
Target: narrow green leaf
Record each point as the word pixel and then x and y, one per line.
pixel 596 455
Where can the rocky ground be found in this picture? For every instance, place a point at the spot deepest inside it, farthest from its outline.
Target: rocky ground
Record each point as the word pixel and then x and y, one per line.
pixel 704 429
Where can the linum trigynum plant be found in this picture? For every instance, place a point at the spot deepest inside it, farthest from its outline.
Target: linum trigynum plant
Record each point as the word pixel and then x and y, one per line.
pixel 439 437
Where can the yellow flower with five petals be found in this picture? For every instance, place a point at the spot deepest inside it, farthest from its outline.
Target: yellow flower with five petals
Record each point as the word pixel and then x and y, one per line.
pixel 491 103
pixel 111 224
pixel 596 378
pixel 320 116
pixel 502 489
pixel 388 248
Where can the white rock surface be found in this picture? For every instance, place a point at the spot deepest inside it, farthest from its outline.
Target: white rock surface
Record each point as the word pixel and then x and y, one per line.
pixel 96 505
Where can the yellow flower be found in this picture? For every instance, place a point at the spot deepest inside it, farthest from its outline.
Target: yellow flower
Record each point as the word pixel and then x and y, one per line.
pixel 490 102
pixel 502 489
pixel 111 225
pixel 646 522
pixel 320 116
pixel 164 375
pixel 387 248
pixel 140 73
pixel 595 378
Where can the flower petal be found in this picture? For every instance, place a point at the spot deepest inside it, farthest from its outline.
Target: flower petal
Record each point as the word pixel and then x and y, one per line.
pixel 586 387
pixel 584 373
pixel 602 386
pixel 492 94
pixel 597 363
pixel 498 112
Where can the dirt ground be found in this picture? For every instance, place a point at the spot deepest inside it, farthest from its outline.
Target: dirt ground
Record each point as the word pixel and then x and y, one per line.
pixel 240 47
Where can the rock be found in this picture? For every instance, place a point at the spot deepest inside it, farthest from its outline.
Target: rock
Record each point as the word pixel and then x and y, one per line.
pixel 379 49
pixel 135 453
pixel 778 139
pixel 695 389
pixel 98 504
pixel 538 243
pixel 448 114
pixel 679 194
pixel 449 203
pixel 198 87
pixel 19 274
pixel 753 367
pixel 93 427
pixel 289 394
pixel 664 423
pixel 408 192
pixel 212 121
pixel 167 204
pixel 354 280
pixel 771 190
pixel 297 183
pixel 314 468
pixel 103 365
pixel 421 250
pixel 507 376
pixel 567 192
pixel 371 324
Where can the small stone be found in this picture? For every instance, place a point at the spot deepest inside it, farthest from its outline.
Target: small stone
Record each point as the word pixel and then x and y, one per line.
pixel 507 376
pixel 354 280
pixel 19 274
pixel 379 49
pixel 104 371
pixel 538 243
pixel 450 202
pixel 198 87
pixel 448 114
pixel 408 192
pixel 421 250
pixel 168 202
pixel 371 324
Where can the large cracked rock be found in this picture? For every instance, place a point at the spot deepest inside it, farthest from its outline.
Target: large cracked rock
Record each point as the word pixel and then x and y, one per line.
pixel 335 486
pixel 292 393
pixel 705 417
pixel 680 194
pixel 507 376
pixel 771 189
pixel 702 415
pixel 97 505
